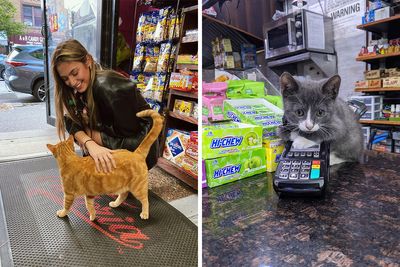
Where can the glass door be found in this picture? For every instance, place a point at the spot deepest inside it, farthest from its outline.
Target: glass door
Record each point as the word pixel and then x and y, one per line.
pixel 63 20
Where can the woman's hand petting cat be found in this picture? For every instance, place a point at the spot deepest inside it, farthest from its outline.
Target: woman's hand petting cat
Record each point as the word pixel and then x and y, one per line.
pixel 102 156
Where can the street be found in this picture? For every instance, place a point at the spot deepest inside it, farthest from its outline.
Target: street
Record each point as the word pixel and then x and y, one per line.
pixel 21 112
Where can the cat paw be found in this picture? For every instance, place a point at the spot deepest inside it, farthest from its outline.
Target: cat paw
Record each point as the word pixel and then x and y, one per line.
pixel 61 213
pixel 144 215
pixel 113 204
pixel 333 160
pixel 92 218
pixel 302 143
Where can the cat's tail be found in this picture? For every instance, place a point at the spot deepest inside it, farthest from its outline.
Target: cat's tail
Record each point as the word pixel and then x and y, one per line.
pixel 155 130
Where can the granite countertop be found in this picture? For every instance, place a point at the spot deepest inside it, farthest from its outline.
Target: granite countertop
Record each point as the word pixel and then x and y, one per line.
pixel 356 224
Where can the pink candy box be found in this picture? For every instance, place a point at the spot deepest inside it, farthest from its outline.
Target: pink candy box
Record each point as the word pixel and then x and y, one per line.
pixel 214 105
pixel 215 88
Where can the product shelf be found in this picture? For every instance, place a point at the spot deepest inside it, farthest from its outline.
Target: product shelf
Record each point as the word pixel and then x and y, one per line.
pixel 184 118
pixel 381 89
pixel 193 95
pixel 373 58
pixel 381 122
pixel 177 171
pixel 381 26
pixel 187 66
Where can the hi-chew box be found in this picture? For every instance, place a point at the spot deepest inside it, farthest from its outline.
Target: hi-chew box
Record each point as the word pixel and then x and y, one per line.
pixel 221 139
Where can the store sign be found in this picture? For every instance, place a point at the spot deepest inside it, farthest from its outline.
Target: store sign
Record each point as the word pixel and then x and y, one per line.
pixel 28 39
pixel 346 15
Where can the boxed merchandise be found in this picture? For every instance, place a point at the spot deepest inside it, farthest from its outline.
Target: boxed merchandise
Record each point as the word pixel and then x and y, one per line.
pixel 190 166
pixel 175 146
pixel 180 81
pixel 183 107
pixel 228 138
pixel 391 82
pixel 234 167
pixel 256 111
pixel 373 74
pixel 375 83
pixel 273 152
pixel 215 88
pixel 361 84
pixel 392 72
pixel 203 175
pixel 213 107
pixel 244 89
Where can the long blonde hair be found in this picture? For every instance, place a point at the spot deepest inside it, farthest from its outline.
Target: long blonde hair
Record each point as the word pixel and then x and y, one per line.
pixel 65 102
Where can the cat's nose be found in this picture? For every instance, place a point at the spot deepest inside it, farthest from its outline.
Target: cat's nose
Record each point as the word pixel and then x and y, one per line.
pixel 309 126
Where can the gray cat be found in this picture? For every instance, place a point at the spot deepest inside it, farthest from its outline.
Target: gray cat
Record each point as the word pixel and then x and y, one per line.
pixel 314 114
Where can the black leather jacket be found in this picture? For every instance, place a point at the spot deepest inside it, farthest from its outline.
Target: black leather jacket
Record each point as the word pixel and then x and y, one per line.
pixel 117 101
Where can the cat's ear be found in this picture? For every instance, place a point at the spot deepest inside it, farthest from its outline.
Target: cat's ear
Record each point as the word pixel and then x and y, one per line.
pixel 331 86
pixel 52 148
pixel 288 84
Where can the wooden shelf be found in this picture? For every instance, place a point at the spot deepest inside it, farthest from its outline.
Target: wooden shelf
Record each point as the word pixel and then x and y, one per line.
pixel 184 118
pixel 188 42
pixel 187 66
pixel 376 57
pixel 259 42
pixel 177 172
pixel 381 26
pixel 388 89
pixel 382 122
pixel 193 95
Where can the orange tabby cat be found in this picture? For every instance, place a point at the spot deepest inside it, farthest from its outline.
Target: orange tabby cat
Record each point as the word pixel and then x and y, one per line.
pixel 79 175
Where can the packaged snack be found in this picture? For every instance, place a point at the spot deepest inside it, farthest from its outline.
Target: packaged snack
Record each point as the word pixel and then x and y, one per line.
pixel 152 54
pixel 141 28
pixel 161 30
pixel 139 57
pixel 159 87
pixel 180 81
pixel 167 51
pixel 174 26
pixel 248 52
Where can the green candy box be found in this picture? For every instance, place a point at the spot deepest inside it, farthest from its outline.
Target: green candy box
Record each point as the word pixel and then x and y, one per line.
pixel 228 138
pixel 234 167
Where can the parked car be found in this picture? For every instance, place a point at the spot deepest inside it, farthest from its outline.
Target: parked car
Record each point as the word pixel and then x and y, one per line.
pixel 2 67
pixel 25 71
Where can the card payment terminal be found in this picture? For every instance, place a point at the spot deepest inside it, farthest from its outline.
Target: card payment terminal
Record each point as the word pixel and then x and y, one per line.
pixel 304 171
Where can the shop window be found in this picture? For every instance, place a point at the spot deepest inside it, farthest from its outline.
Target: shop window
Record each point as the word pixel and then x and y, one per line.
pixel 32 15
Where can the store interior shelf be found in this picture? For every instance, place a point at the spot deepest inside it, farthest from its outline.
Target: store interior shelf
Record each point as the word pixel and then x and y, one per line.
pixel 250 37
pixel 187 66
pixel 184 118
pixel 383 25
pixel 193 95
pixel 376 57
pixel 382 122
pixel 388 89
pixel 188 41
pixel 177 171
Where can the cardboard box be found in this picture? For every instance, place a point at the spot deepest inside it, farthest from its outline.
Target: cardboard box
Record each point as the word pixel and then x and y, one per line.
pixel 221 139
pixel 253 111
pixel 234 167
pixel 391 82
pixel 361 84
pixel 375 83
pixel 373 74
pixel 273 152
pixel 175 146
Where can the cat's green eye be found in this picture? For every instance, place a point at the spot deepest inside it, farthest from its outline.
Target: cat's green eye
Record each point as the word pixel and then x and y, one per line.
pixel 299 112
pixel 320 112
